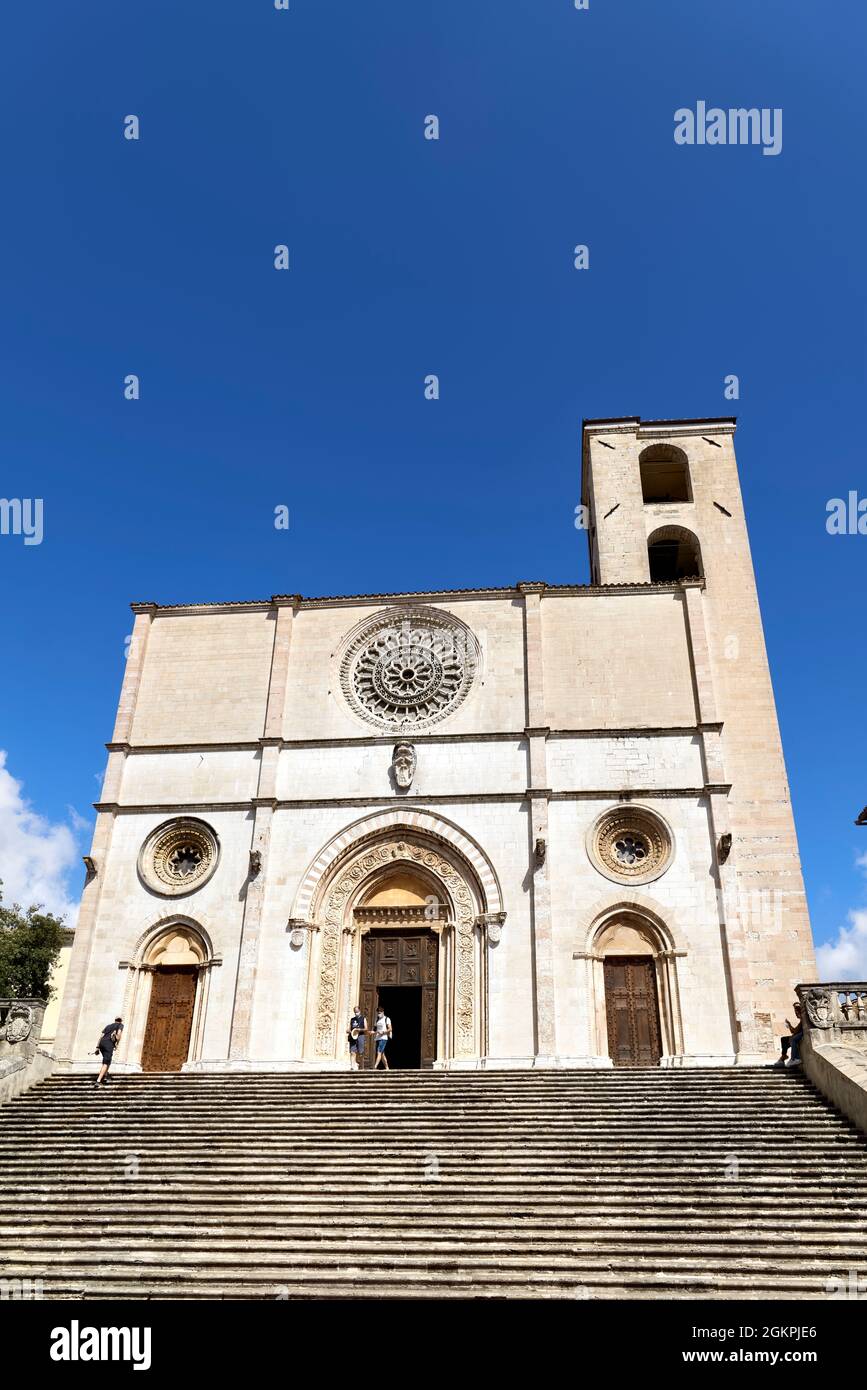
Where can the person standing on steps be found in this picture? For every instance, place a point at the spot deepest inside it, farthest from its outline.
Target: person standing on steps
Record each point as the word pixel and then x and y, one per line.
pixel 105 1047
pixel 382 1037
pixel 357 1031
pixel 792 1040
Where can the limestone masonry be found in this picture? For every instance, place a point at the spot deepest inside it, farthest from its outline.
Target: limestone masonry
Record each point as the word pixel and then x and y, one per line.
pixel 546 825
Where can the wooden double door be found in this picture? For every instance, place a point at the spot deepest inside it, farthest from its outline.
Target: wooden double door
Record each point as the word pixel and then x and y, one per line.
pixel 170 1018
pixel 399 971
pixel 632 1011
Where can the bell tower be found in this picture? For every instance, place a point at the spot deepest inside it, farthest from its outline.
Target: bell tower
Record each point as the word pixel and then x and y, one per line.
pixel 665 507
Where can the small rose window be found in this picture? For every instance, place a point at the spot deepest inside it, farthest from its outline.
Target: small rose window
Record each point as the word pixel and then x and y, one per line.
pixel 179 856
pixel 630 844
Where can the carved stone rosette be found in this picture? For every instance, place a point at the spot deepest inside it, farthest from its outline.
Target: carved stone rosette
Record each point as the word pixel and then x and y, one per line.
pixel 351 876
pixel 408 668
pixel 630 844
pixel 179 856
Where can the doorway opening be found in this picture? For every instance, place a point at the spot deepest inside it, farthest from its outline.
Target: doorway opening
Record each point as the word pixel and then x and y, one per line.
pixel 402 1005
pixel 399 971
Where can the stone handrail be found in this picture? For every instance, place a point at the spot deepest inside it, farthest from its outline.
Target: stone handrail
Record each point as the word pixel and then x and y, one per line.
pixel 834 1046
pixel 835 1010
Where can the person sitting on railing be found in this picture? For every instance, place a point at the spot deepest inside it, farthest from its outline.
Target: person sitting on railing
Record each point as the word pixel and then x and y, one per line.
pixel 792 1041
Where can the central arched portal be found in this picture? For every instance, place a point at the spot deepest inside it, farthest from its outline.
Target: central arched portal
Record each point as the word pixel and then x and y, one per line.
pixel 400 918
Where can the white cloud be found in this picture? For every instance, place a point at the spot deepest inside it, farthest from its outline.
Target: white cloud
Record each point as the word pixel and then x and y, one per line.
pixel 846 958
pixel 79 823
pixel 36 855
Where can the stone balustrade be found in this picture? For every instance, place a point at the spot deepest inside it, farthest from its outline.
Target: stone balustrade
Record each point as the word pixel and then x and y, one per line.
pixel 834 1049
pixel 835 1011
pixel 21 1061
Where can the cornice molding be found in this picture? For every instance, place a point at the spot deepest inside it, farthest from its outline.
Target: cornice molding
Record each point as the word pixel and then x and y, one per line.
pixel 606 795
pixel 421 596
pixel 431 737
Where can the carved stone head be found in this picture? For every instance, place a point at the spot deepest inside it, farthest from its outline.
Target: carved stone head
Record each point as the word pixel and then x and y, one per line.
pixel 403 765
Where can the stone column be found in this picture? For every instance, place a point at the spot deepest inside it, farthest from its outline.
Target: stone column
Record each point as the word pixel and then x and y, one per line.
pixel 82 947
pixel 538 794
pixel 264 804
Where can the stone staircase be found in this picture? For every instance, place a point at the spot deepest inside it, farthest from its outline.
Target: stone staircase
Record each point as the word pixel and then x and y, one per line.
pixel 627 1184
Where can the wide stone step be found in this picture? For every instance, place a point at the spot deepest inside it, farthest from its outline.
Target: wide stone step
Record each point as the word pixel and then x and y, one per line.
pixel 421 1173
pixel 258 1255
pixel 548 1184
pixel 429 1225
pixel 711 1287
pixel 272 1276
pixel 215 1242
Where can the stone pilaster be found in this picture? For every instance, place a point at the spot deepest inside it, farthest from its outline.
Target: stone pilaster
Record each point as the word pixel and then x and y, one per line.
pixel 144 616
pixel 263 813
pixel 82 947
pixel 538 793
pixel 280 667
pixel 738 974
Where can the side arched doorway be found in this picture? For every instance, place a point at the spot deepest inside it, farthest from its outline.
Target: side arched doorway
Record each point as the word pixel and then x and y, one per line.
pixel 167 998
pixel 634 991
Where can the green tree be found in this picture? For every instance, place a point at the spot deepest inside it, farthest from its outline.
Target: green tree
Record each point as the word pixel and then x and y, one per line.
pixel 30 943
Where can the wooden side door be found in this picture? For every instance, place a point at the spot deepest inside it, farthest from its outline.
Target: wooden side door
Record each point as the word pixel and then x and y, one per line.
pixel 170 1019
pixel 632 1011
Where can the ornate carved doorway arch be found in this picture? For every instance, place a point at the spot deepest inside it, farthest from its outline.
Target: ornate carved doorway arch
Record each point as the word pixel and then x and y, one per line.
pixel 429 881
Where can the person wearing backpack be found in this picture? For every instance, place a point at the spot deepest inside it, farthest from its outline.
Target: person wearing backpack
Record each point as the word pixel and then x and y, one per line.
pixel 105 1048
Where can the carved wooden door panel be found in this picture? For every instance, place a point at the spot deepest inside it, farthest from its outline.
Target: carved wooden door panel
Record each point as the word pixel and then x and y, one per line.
pixel 430 957
pixel 368 993
pixel 170 1019
pixel 632 1011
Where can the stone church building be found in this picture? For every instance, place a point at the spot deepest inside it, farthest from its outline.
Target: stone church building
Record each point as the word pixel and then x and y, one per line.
pixel 545 825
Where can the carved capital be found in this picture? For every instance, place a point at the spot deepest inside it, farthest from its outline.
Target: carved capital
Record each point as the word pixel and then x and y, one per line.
pixel 298 927
pixel 491 923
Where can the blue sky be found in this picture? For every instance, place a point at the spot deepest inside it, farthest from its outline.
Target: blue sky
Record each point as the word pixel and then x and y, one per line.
pixel 411 257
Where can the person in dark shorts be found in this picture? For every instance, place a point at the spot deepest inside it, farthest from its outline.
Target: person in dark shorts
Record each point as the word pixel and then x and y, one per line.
pixel 105 1047
pixel 792 1040
pixel 357 1033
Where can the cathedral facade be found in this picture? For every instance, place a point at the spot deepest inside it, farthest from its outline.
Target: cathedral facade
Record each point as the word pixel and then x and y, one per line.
pixel 546 825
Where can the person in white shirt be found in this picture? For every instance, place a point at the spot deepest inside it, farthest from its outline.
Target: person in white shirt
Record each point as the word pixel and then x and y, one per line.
pixel 382 1036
